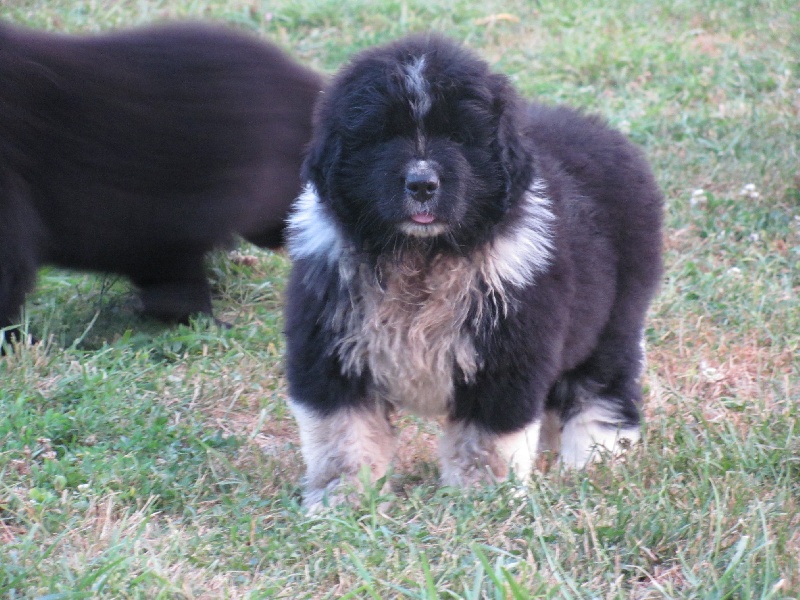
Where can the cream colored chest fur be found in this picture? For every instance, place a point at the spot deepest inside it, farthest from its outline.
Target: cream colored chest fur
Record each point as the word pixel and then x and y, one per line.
pixel 410 332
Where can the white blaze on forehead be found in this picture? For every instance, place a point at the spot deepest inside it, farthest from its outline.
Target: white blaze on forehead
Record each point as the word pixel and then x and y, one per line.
pixel 417 88
pixel 312 231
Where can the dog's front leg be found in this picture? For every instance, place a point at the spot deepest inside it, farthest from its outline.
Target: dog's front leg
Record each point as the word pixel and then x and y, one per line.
pixel 494 428
pixel 341 448
pixel 471 454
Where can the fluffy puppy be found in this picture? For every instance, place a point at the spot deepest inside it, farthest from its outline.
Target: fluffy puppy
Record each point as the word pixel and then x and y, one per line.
pixel 137 152
pixel 461 253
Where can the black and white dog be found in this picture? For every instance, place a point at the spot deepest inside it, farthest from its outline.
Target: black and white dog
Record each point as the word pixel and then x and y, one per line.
pixel 136 152
pixel 460 252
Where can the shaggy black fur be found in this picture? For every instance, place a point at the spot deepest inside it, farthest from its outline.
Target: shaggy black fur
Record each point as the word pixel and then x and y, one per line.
pixel 570 334
pixel 137 152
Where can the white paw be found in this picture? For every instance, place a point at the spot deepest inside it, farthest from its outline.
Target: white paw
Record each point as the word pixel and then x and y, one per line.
pixel 593 434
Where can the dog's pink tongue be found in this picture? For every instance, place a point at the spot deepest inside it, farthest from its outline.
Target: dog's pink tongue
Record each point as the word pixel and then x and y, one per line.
pixel 423 218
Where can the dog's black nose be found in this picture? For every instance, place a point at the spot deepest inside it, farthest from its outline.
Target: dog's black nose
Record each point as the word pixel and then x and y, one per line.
pixel 422 183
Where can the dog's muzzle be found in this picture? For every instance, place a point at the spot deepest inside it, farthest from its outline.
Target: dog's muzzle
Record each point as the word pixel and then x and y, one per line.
pixel 422 181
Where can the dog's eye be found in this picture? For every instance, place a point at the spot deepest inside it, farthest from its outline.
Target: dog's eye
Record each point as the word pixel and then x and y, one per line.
pixel 459 137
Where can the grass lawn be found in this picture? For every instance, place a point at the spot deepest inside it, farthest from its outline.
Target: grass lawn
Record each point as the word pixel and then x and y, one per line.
pixel 138 461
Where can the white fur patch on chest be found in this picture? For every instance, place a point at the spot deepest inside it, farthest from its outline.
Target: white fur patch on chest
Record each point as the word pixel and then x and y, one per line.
pixel 409 332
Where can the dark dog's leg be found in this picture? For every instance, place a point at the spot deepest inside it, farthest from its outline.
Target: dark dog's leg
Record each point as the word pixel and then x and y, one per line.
pixel 270 238
pixel 16 279
pixel 18 256
pixel 176 291
pixel 176 301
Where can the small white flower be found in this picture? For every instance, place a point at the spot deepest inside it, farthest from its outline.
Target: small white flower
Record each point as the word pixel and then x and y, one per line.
pixel 709 373
pixel 750 191
pixel 735 272
pixel 754 237
pixel 625 126
pixel 698 197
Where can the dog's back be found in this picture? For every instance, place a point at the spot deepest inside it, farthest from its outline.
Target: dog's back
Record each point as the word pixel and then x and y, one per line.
pixel 179 134
pixel 136 152
pixel 609 169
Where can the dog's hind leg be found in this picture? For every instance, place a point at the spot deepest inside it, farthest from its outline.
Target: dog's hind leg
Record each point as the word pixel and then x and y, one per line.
pixel 17 275
pixel 19 227
pixel 599 402
pixel 175 289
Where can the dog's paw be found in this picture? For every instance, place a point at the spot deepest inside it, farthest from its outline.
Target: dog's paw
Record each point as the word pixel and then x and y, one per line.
pixel 354 490
pixel 316 500
pixel 593 435
pixel 472 456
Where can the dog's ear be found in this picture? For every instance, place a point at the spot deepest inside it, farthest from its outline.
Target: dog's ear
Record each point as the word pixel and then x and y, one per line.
pixel 323 155
pixel 509 142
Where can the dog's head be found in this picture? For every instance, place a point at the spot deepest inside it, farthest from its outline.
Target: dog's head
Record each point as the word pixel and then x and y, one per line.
pixel 418 144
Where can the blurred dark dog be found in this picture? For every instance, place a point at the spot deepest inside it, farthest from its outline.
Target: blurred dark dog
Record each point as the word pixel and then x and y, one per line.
pixel 463 253
pixel 137 152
